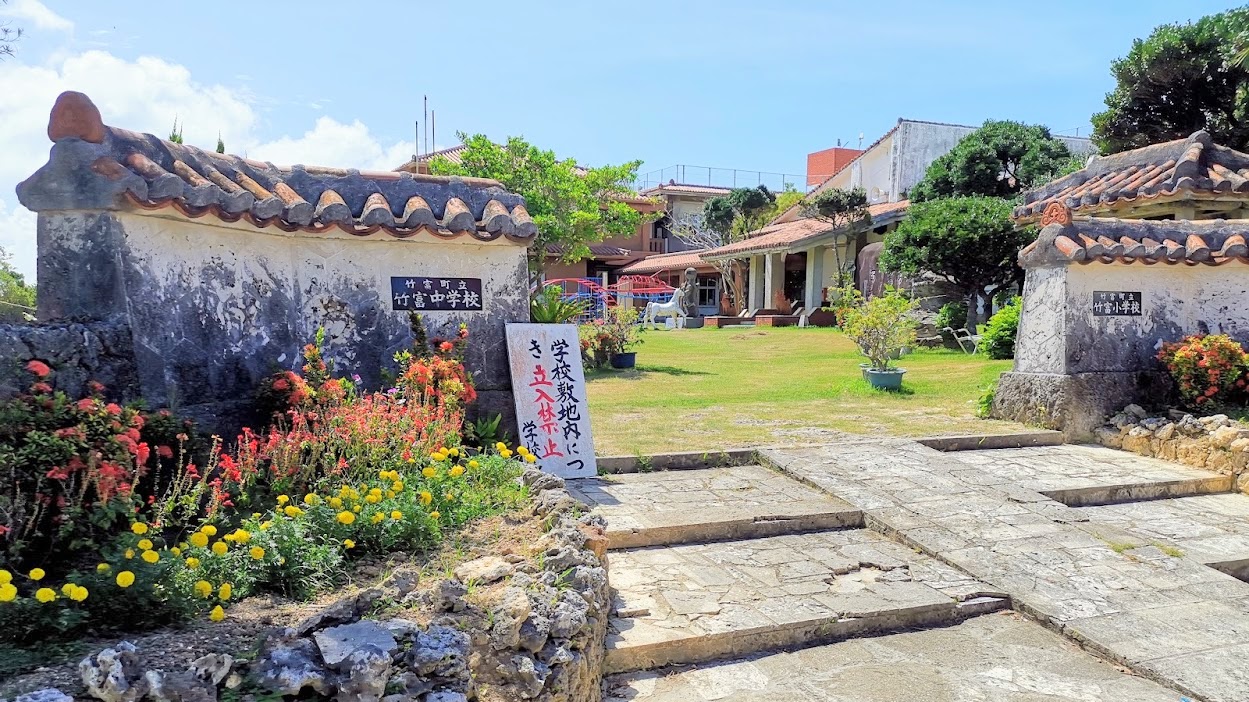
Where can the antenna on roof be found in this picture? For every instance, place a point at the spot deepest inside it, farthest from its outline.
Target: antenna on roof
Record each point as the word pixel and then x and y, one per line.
pixel 860 140
pixel 433 128
pixel 416 145
pixel 425 100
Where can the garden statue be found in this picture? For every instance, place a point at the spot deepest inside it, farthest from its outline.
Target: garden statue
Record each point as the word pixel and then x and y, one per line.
pixel 689 288
pixel 674 308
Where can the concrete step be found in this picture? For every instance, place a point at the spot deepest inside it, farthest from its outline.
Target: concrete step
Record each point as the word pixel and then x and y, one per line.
pixel 708 504
pixel 1000 657
pixel 701 602
pixel 1080 476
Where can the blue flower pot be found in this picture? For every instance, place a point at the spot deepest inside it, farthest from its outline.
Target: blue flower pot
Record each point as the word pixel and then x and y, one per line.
pixel 624 360
pixel 887 379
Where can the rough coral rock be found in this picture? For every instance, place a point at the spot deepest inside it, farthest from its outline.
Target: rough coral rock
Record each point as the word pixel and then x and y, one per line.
pixel 48 694
pixel 113 675
pixel 288 664
pixel 338 643
pixel 484 571
pixel 366 675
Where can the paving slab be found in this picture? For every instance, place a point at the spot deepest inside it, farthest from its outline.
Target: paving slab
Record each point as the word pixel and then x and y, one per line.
pixel 1211 529
pixel 1143 606
pixel 1078 475
pixel 998 657
pixel 709 504
pixel 701 602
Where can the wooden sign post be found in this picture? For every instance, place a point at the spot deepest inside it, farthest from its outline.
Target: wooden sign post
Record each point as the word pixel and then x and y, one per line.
pixel 548 384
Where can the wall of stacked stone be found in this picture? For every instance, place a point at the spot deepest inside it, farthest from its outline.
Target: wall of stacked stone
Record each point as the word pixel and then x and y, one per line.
pixel 543 637
pixel 1215 443
pixel 80 352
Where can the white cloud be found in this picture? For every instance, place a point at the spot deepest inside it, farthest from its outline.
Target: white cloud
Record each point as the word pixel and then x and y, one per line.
pixel 332 143
pixel 37 14
pixel 146 95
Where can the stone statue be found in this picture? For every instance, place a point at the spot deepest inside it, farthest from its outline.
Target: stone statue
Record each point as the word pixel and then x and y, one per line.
pixel 689 292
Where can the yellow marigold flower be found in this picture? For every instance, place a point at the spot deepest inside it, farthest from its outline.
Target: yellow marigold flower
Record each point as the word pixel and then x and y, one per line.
pixel 505 453
pixel 522 449
pixel 336 502
pixel 139 528
pixel 150 556
pixel 411 460
pixel 396 515
pixel 377 517
pixel 125 579
pixel 8 592
pixel 242 536
pixel 345 517
pixel 265 525
pixel 228 537
pixel 255 515
pixel 500 447
pixel 129 553
pixel 434 515
pixel 103 568
pixel 283 499
pixel 203 588
pixel 45 594
pixel 429 472
pixel 199 539
pixel 209 529
pixel 257 553
pixel 145 544
pixel 217 614
pixel 67 588
pixel 530 458
pixel 220 548
pixel 397 486
pixel 176 551
pixel 292 511
pixel 474 464
pixel 192 562
pixel 37 574
pixel 225 591
pixel 356 509
pixel 375 491
pixel 183 546
pixel 457 471
pixel 426 497
pixel 390 494
pixel 5 577
pixel 348 543
pixel 373 499
pixel 79 594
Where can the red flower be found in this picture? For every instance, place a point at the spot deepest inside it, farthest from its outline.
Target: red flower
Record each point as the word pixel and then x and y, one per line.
pixel 39 368
pixel 41 388
pixel 113 408
pixel 280 384
pixel 446 347
pixel 164 451
pixel 86 404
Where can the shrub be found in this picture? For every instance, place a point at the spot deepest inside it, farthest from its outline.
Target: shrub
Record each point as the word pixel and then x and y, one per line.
pixel 548 306
pixel 603 338
pixel 998 340
pixel 952 315
pixel 842 299
pixel 881 326
pixel 1207 370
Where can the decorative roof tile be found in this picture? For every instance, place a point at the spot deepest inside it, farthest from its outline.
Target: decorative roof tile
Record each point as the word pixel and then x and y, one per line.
pixel 95 166
pixel 1066 240
pixel 786 234
pixel 1192 167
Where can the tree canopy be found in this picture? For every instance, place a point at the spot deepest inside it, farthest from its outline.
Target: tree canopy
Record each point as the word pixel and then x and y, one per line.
pixel 740 212
pixel 572 209
pixel 1000 159
pixel 1181 78
pixel 969 241
pixel 17 298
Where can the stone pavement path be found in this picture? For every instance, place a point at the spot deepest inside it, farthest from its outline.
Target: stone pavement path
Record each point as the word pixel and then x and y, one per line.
pixel 689 506
pixel 1210 529
pixel 1170 618
pixel 999 657
pixel 950 535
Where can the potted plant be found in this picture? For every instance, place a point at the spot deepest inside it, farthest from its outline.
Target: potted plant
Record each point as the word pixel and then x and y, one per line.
pixel 614 337
pixel 881 327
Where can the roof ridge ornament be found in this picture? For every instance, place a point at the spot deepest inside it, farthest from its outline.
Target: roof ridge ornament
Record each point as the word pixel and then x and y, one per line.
pixel 1056 213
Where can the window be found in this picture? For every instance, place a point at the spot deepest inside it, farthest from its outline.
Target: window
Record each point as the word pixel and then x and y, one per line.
pixel 708 292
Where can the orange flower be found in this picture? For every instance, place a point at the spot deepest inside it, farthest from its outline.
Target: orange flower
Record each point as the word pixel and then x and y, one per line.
pixel 39 368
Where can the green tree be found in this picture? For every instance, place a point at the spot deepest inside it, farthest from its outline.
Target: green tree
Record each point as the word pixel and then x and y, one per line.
pixel 788 197
pixel 727 219
pixel 17 298
pixel 572 209
pixel 969 241
pixel 846 213
pixel 1181 78
pixel 1000 159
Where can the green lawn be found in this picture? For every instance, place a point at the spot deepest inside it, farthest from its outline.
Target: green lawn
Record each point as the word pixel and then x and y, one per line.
pixel 703 389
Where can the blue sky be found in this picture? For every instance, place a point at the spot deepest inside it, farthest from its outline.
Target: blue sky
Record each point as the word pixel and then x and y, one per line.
pixel 748 85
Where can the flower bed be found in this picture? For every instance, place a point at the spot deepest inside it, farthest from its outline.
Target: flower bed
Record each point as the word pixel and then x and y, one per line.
pixel 114 523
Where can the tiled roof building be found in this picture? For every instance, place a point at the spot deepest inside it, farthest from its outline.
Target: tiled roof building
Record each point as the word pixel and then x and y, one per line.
pixel 1191 178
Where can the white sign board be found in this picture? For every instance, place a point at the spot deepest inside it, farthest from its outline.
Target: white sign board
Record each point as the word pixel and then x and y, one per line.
pixel 548 383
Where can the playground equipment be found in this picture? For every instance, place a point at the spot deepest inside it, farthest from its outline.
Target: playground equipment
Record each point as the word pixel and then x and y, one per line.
pixel 629 290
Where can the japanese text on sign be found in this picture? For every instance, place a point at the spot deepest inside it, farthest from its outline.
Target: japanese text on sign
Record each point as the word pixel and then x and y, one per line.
pixel 1108 303
pixel 548 383
pixel 435 294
